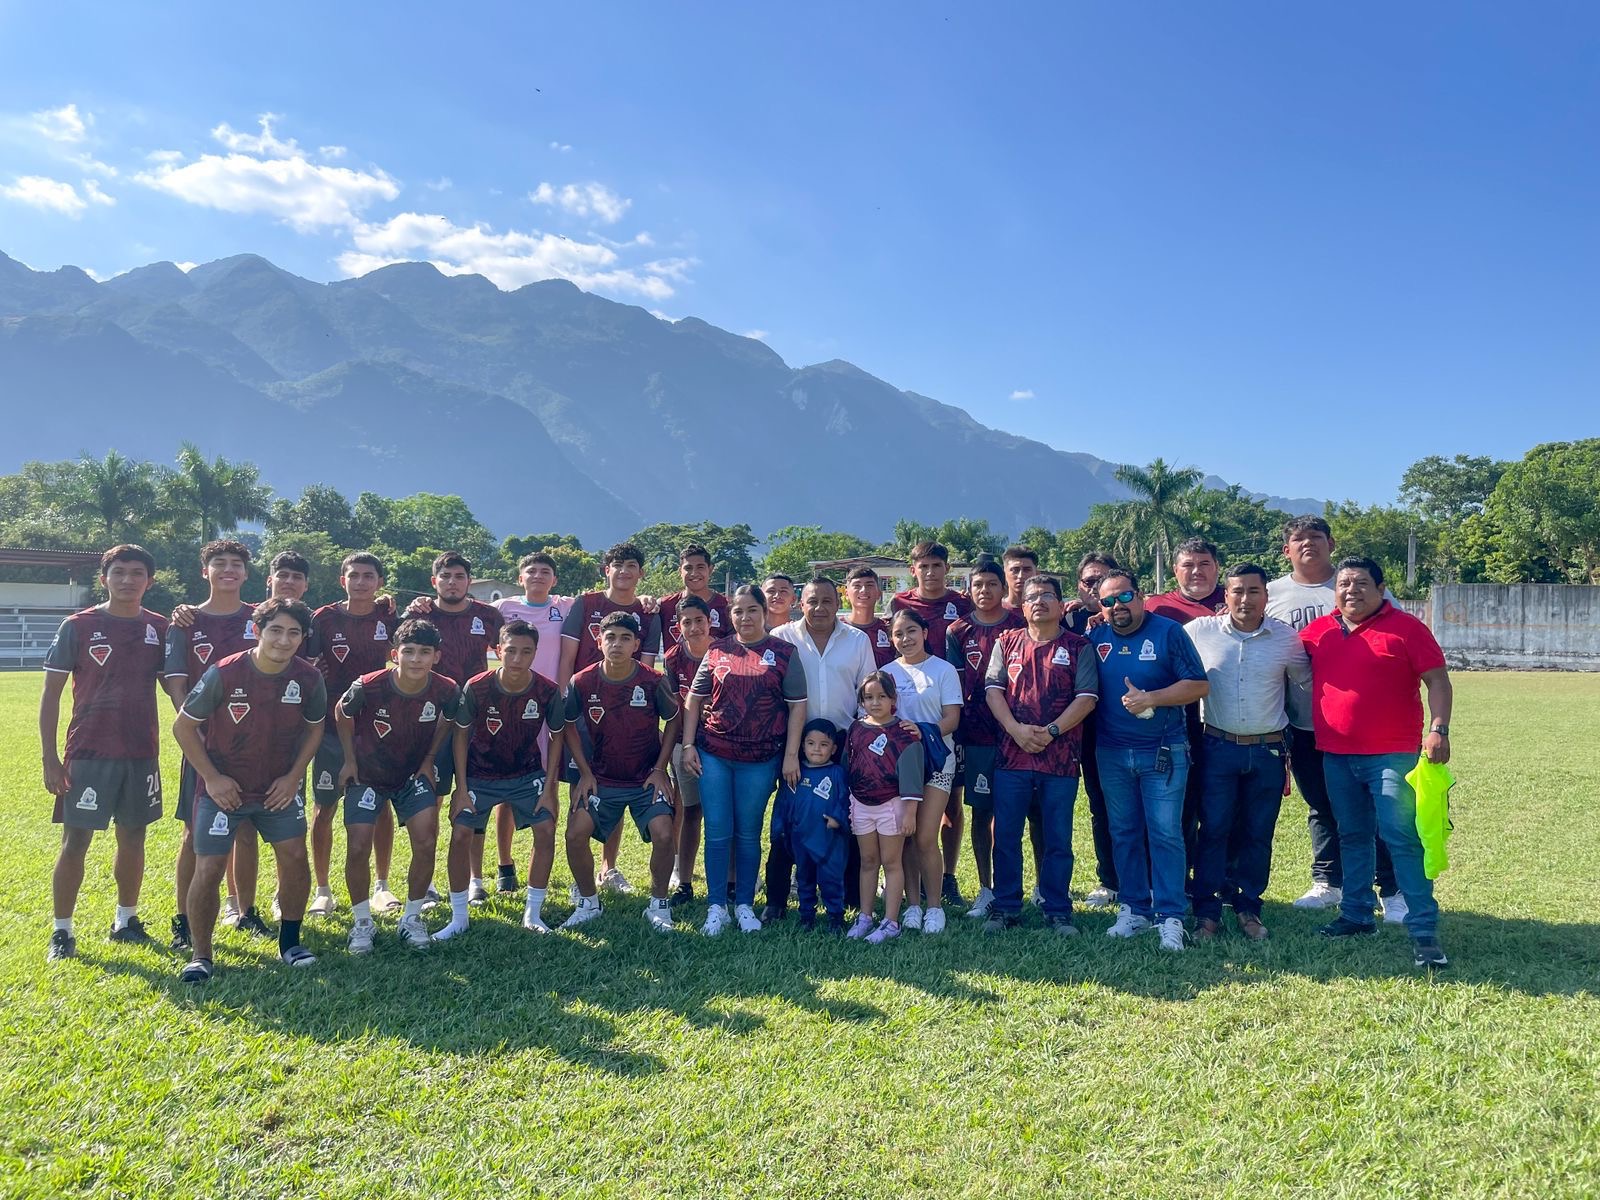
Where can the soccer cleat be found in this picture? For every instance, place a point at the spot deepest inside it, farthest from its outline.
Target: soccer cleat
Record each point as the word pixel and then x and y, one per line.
pixel 180 933
pixel 933 921
pixel 716 920
pixel 1343 927
pixel 133 934
pixel 1172 936
pixel 1101 897
pixel 885 931
pixel 658 913
pixel 999 922
pixel 981 904
pixel 1395 909
pixel 250 922
pixel 414 933
pixel 1128 924
pixel 1063 927
pixel 588 909
pixel 297 956
pixel 862 926
pixel 506 880
pixel 1320 895
pixel 199 970
pixel 477 894
pixel 950 891
pixel 911 918
pixel 322 904
pixel 613 880
pixel 1427 954
pixel 748 921
pixel 230 913
pixel 385 901
pixel 62 945
pixel 361 934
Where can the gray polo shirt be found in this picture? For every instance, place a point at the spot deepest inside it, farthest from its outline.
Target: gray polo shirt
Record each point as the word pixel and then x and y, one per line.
pixel 1250 673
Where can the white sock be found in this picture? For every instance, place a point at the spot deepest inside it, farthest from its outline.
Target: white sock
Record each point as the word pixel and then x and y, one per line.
pixel 381 886
pixel 64 923
pixel 414 908
pixel 458 908
pixel 362 910
pixel 535 901
pixel 323 891
pixel 477 881
pixel 124 915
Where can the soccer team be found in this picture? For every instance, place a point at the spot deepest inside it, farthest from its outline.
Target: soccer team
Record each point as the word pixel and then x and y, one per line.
pixel 853 743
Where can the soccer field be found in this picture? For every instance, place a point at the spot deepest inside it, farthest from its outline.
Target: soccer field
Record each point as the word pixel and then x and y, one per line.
pixel 621 1062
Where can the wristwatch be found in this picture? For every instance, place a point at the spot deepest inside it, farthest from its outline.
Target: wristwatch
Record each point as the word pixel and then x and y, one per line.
pixel 1441 730
pixel 1053 730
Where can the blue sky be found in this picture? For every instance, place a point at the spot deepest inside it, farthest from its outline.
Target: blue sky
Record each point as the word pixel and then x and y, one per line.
pixel 1297 246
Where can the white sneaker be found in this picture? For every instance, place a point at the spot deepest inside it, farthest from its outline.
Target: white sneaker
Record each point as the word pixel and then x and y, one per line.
pixel 1321 895
pixel 981 903
pixel 912 917
pixel 277 908
pixel 1037 898
pixel 1172 935
pixel 933 921
pixel 383 900
pixel 477 893
pixel 413 932
pixel 659 914
pixel 322 904
pixel 748 921
pixel 361 935
pixel 588 909
pixel 716 920
pixel 1128 924
pixel 533 922
pixel 614 881
pixel 1101 897
pixel 1395 909
pixel 230 912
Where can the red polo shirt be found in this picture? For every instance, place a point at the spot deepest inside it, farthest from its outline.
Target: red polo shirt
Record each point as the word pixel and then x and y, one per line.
pixel 1180 608
pixel 1364 681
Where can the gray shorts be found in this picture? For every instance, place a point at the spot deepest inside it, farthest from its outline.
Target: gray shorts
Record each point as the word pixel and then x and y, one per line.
pixel 214 829
pixel 362 804
pixel 128 789
pixel 977 776
pixel 188 784
pixel 688 785
pixel 325 768
pixel 644 804
pixel 522 793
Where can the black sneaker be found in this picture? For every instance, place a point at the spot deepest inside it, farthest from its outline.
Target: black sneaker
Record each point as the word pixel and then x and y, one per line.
pixel 1000 922
pixel 62 945
pixel 684 895
pixel 180 933
pixel 1428 954
pixel 252 924
pixel 1063 926
pixel 1342 927
pixel 507 881
pixel 773 912
pixel 197 971
pixel 952 892
pixel 808 920
pixel 133 933
pixel 836 924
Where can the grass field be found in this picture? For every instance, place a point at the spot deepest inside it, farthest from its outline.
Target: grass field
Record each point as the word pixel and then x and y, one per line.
pixel 624 1063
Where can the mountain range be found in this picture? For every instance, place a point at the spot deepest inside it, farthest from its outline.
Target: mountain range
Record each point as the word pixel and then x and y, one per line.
pixel 546 407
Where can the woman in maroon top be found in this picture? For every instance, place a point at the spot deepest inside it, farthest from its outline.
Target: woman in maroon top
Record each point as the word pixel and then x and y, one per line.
pixel 745 711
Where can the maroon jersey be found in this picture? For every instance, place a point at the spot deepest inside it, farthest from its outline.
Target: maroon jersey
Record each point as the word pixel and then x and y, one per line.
pixel 620 723
pixel 877 631
pixel 679 667
pixel 1040 679
pixel 883 762
pixel 940 614
pixel 747 691
pixel 352 646
pixel 583 627
pixel 394 731
pixel 721 622
pixel 967 648
pixel 254 721
pixel 114 663
pixel 193 651
pixel 504 742
pixel 1181 609
pixel 465 638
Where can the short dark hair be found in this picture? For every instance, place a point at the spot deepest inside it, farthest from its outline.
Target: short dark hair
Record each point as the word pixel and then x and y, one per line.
pixel 621 619
pixel 289 560
pixel 822 581
pixel 417 632
pixel 1039 581
pixel 518 628
pixel 1359 562
pixel 622 552
pixel 882 678
pixel 695 603
pixel 863 572
pixel 987 566
pixel 1195 545
pixel 1304 522
pixel 278 606
pixel 128 552
pixel 1120 573
pixel 363 559
pixel 223 546
pixel 929 549
pixel 778 575
pixel 1097 558
pixel 1013 553
pixel 452 558
pixel 694 550
pixel 751 590
pixel 1240 570
pixel 823 726
pixel 539 559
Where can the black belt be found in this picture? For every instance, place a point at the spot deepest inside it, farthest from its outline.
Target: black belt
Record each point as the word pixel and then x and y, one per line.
pixel 1246 739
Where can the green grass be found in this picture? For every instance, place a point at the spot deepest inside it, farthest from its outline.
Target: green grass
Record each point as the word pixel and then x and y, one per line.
pixel 624 1063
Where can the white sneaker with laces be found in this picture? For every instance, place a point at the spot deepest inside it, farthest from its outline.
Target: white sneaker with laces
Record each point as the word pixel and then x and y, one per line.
pixel 588 909
pixel 1128 924
pixel 383 900
pixel 658 913
pixel 361 935
pixel 1321 895
pixel 414 933
pixel 322 904
pixel 1101 897
pixel 716 920
pixel 230 912
pixel 912 917
pixel 1395 909
pixel 614 881
pixel 933 921
pixel 1172 936
pixel 981 903
pixel 748 921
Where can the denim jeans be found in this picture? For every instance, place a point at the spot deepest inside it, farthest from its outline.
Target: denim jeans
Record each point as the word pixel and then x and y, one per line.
pixel 1241 790
pixel 1370 797
pixel 1326 865
pixel 1015 792
pixel 733 804
pixel 1105 866
pixel 1146 806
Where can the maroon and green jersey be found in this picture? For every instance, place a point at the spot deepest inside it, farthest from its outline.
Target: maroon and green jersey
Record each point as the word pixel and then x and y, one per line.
pixel 679 666
pixel 193 651
pixel 393 731
pixel 721 622
pixel 967 647
pixel 883 763
pixel 114 663
pixel 352 646
pixel 583 627
pixel 1040 679
pixel 747 690
pixel 877 631
pixel 940 614
pixel 1181 609
pixel 254 721
pixel 620 722
pixel 504 742
pixel 465 638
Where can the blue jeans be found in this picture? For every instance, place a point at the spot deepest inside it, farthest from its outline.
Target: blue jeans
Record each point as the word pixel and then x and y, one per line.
pixel 733 803
pixel 1015 792
pixel 1241 790
pixel 1145 810
pixel 1370 796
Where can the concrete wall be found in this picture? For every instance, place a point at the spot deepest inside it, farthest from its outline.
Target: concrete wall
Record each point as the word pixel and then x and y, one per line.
pixel 1531 626
pixel 43 595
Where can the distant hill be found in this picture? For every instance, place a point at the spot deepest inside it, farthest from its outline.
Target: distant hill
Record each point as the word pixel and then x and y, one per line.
pixel 546 407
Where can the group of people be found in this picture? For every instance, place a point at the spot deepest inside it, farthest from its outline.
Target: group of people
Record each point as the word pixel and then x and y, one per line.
pixel 859 745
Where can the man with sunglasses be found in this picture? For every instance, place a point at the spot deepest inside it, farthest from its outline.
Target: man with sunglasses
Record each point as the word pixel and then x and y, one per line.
pixel 1092 569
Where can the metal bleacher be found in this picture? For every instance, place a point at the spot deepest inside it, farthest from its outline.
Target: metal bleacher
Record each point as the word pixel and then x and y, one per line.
pixel 25 635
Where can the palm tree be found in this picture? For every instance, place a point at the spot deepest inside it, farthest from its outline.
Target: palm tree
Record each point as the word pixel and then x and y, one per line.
pixel 213 496
pixel 113 499
pixel 1151 520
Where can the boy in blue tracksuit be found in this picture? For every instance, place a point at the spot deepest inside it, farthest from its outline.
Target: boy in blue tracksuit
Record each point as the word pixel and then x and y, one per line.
pixel 815 818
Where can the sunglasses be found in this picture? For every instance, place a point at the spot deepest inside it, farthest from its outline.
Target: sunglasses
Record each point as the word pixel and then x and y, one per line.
pixel 1092 581
pixel 1118 598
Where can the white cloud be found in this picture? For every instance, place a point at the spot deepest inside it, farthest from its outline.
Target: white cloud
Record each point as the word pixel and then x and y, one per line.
pixel 265 142
pixel 91 165
pixel 94 195
pixel 1022 394
pixel 164 156
pixel 561 147
pixel 332 151
pixel 50 195
pixel 583 200
pixel 759 335
pixel 442 184
pixel 64 124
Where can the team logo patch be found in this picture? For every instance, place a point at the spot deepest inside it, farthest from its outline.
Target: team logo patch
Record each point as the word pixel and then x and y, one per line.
pixel 716 619
pixel 1103 650
pixel 291 694
pixel 554 615
pixel 883 638
pixel 429 713
pixel 325 780
pixel 90 800
pixel 594 629
pixel 530 710
pixel 492 724
pixel 596 712
pixel 980 786
pixel 219 825
pixel 974 658
pixel 1013 669
pixel 381 728
pixel 950 611
pixel 477 626
pixel 341 651
pixel 238 710
pixel 879 744
pixel 380 632
pixel 721 670
pixel 202 651
pixel 824 789
pixel 368 801
pixel 100 653
pixel 767 659
pixel 1062 657
pixel 637 700
pixel 1147 652
pixel 150 638
pixel 249 631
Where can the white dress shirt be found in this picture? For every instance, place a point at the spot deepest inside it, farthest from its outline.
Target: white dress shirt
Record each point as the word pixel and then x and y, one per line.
pixel 834 672
pixel 1250 673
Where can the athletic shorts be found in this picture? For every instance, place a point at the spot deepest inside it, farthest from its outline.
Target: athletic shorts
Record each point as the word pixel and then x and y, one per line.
pixel 445 764
pixel 363 804
pixel 214 829
pixel 977 776
pixel 188 784
pixel 945 778
pixel 325 768
pixel 128 789
pixel 688 785
pixel 888 818
pixel 521 792
pixel 608 804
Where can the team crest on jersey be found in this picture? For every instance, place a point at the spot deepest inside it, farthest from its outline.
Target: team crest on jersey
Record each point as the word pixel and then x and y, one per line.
pixel 596 711
pixel 238 710
pixel 150 638
pixel 1147 652
pixel 1013 669
pixel 974 656
pixel 824 788
pixel 883 638
pixel 291 694
pixel 637 700
pixel 767 659
pixel 716 619
pixel 879 744
pixel 429 712
pixel 492 724
pixel 368 801
pixel 100 652
pixel 950 611
pixel 325 780
pixel 249 631
pixel 380 632
pixel 381 728
pixel 1103 650
pixel 341 651
pixel 202 651
pixel 721 670
pixel 90 800
pixel 477 626
pixel 1062 657
pixel 594 629
pixel 219 825
pixel 530 710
